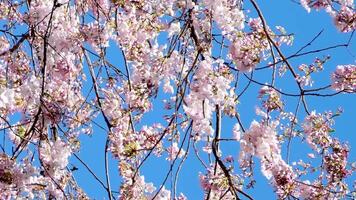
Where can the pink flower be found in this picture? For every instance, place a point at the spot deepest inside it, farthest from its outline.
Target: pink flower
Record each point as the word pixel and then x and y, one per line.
pixel 174 152
pixel 345 19
pixel 305 4
pixel 344 78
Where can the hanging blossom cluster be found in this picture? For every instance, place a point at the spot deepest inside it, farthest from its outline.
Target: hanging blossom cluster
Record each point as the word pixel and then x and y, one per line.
pixel 317 130
pixel 17 175
pixel 227 14
pixel 215 183
pixel 272 100
pixel 45 89
pixel 250 48
pixel 261 141
pixel 344 18
pixel 158 80
pixel 209 88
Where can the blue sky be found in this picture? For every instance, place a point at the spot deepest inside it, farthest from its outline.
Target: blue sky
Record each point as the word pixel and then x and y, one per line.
pixel 295 20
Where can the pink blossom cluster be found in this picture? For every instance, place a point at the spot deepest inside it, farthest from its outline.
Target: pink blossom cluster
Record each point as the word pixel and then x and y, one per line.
pixel 247 49
pixel 17 178
pixel 344 18
pixel 250 48
pixel 174 152
pixel 54 157
pixel 227 14
pixel 271 98
pixel 45 89
pixel 317 129
pixel 336 163
pixel 215 183
pixel 344 78
pixel 10 11
pixel 261 141
pixel 210 87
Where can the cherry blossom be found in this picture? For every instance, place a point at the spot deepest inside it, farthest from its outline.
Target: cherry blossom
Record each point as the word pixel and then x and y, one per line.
pixel 168 81
pixel 344 18
pixel 344 78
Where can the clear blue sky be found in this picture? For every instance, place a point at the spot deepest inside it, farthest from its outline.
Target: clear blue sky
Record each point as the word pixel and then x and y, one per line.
pixel 295 20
